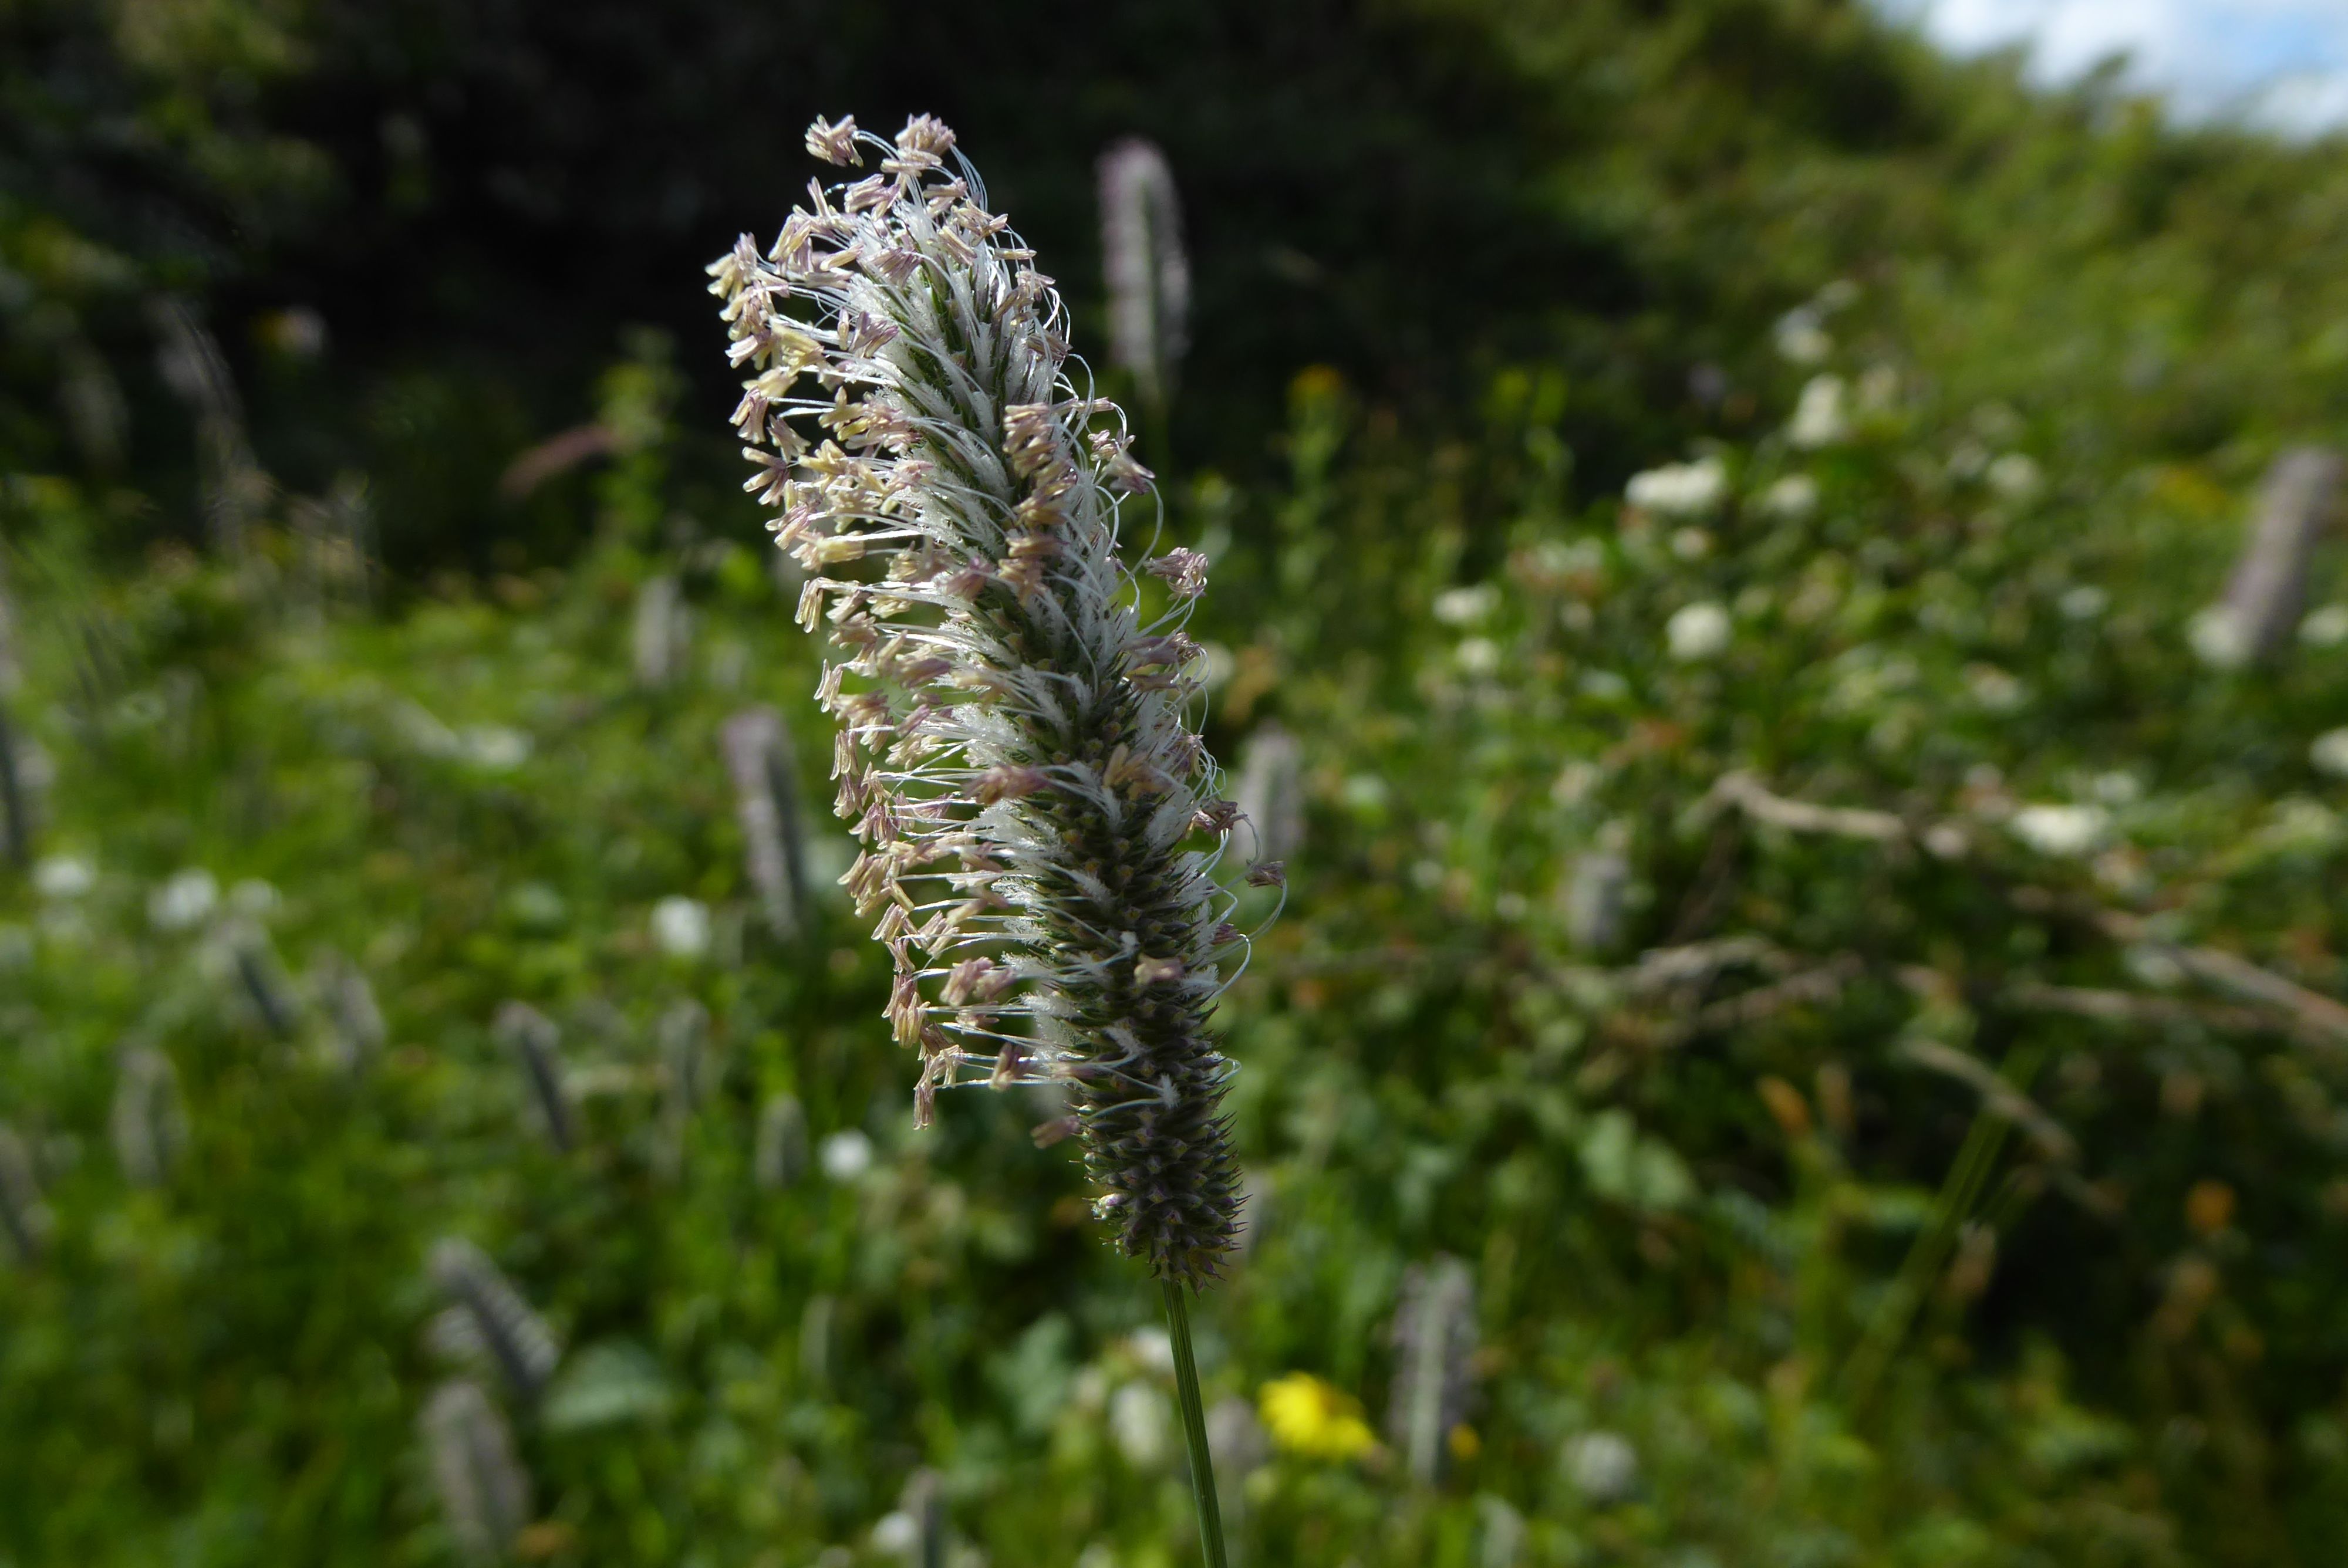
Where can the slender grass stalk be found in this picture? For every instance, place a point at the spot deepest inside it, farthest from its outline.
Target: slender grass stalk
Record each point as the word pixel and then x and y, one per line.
pixel 1960 1191
pixel 15 805
pixel 1194 1427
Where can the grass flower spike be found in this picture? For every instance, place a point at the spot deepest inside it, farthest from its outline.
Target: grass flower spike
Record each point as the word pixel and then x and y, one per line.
pixel 1017 751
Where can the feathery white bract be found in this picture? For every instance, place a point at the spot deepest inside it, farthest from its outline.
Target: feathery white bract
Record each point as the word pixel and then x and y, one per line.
pixel 1016 751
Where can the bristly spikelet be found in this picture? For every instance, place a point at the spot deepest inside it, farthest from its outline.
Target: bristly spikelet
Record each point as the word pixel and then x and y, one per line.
pixel 1017 751
pixel 493 1318
pixel 484 1491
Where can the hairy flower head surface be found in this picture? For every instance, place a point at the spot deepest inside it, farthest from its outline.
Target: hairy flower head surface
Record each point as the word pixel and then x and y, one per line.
pixel 1017 750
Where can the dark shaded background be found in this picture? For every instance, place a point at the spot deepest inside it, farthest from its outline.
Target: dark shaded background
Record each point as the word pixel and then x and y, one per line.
pixel 477 198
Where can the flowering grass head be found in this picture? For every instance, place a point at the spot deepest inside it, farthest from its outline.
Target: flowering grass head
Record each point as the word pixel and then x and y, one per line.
pixel 1017 750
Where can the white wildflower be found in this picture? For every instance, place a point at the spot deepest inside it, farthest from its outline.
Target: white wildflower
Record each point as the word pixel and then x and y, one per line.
pixel 1878 389
pixel 1465 606
pixel 2065 830
pixel 681 926
pixel 2326 627
pixel 2014 476
pixel 1139 1421
pixel 1698 631
pixel 1819 418
pixel 896 1534
pixel 2117 787
pixel 2220 638
pixel 2084 603
pixel 1602 1466
pixel 255 899
pixel 1802 337
pixel 2329 753
pixel 63 876
pixel 1478 656
pixel 1679 489
pixel 184 901
pixel 846 1155
pixel 1995 690
pixel 494 748
pixel 1153 1347
pixel 1793 495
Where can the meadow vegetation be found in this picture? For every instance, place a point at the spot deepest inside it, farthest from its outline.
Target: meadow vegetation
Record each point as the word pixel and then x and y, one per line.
pixel 1807 1027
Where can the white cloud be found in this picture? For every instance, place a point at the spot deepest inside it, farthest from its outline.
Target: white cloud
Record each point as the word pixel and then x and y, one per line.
pixel 2282 64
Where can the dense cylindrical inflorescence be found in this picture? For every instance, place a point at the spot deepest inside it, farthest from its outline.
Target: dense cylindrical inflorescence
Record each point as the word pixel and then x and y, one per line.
pixel 1016 751
pixel 1147 274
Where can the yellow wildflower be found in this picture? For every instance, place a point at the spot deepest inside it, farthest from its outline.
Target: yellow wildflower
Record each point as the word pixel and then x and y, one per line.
pixel 1309 1417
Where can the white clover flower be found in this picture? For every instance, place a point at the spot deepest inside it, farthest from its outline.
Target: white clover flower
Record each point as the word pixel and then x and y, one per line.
pixel 2220 638
pixel 1819 418
pixel 1602 685
pixel 1995 690
pixel 1679 489
pixel 1465 606
pixel 63 876
pixel 1801 337
pixel 846 1155
pixel 1478 656
pixel 1698 631
pixel 2084 603
pixel 2326 627
pixel 2118 787
pixel 1793 495
pixel 1878 389
pixel 2329 753
pixel 681 926
pixel 2014 476
pixel 1153 1348
pixel 896 1534
pixel 494 748
pixel 1017 750
pixel 184 900
pixel 2065 830
pixel 1602 1466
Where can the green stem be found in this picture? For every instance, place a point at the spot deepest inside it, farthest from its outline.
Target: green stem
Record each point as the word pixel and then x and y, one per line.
pixel 1959 1192
pixel 1194 1428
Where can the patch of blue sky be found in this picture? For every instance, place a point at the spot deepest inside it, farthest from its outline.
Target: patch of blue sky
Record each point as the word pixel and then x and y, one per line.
pixel 2279 64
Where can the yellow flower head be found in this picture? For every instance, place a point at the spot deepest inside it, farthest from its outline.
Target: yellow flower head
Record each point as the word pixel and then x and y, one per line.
pixel 1306 1416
